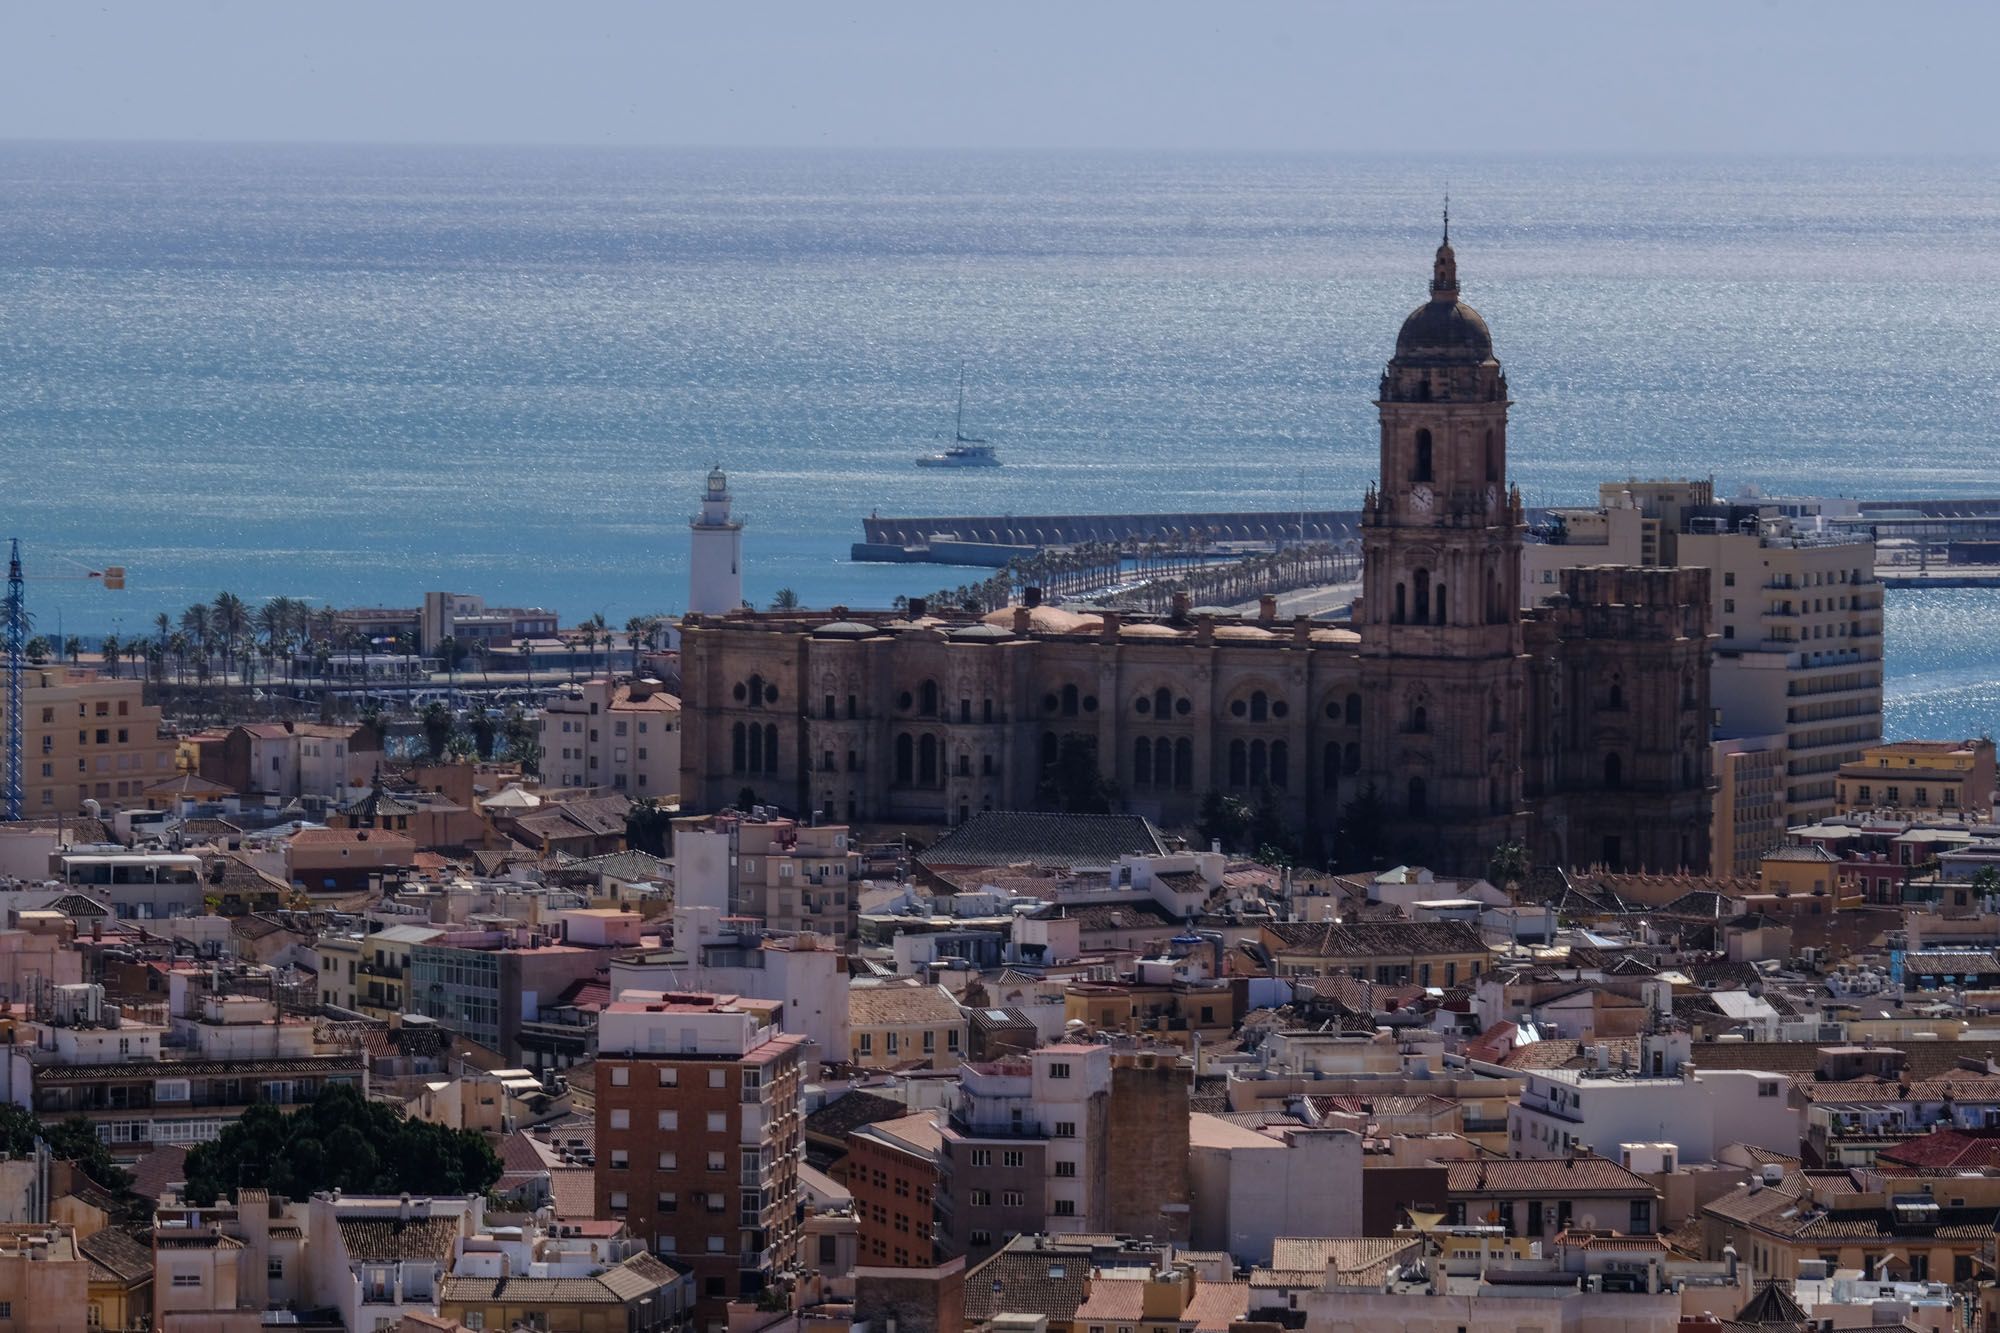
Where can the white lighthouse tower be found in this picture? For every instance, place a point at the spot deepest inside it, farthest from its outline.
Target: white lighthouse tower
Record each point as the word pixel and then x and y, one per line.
pixel 715 553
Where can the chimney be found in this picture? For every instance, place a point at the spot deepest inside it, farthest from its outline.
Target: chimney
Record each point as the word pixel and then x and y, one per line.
pixel 1031 597
pixel 1108 631
pixel 918 606
pixel 1302 629
pixel 1023 619
pixel 1182 604
pixel 1267 609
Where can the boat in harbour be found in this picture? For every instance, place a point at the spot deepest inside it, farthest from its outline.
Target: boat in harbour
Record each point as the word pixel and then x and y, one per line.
pixel 964 450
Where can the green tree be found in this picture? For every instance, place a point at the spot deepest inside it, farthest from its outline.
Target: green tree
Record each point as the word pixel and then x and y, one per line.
pixel 341 1141
pixel 1223 819
pixel 785 600
pixel 38 650
pixel 524 743
pixel 1508 865
pixel 438 728
pixel 648 825
pixel 1073 784
pixel 111 650
pixel 73 649
pixel 72 1140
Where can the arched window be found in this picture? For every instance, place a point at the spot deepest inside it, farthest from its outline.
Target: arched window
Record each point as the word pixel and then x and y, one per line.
pixel 1422 601
pixel 1184 764
pixel 1239 764
pixel 905 762
pixel 1163 761
pixel 1069 698
pixel 1614 772
pixel 1420 718
pixel 1259 760
pixel 1354 710
pixel 1440 604
pixel 1329 767
pixel 1281 776
pixel 1397 617
pixel 1260 706
pixel 1617 695
pixel 927 761
pixel 1492 457
pixel 1142 762
pixel 1163 703
pixel 1420 802
pixel 738 759
pixel 927 699
pixel 1350 758
pixel 771 748
pixel 1422 469
pixel 756 691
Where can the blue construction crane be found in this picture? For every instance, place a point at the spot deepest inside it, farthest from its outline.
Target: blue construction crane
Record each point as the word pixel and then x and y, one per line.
pixel 113 577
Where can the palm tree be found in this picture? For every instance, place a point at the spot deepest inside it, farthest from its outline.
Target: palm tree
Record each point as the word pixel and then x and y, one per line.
pixel 447 648
pixel 73 649
pixel 231 619
pixel 177 644
pixel 785 600
pixel 598 630
pixel 636 627
pixel 110 650
pixel 480 653
pixel 198 623
pixel 163 625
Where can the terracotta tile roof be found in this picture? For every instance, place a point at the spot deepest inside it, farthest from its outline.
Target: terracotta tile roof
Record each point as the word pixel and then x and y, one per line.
pixel 348 837
pixel 574 1191
pixel 125 1256
pixel 1355 1260
pixel 1052 1282
pixel 1374 939
pixel 1000 838
pixel 850 1111
pixel 872 1005
pixel 158 1169
pixel 429 1238
pixel 1946 1150
pixel 247 1069
pixel 1545 1176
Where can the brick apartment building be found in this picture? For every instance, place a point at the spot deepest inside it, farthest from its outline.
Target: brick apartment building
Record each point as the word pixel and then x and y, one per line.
pixel 700 1134
pixel 892 1171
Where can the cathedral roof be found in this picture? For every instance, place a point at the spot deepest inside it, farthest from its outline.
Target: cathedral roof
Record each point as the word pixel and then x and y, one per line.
pixel 1444 330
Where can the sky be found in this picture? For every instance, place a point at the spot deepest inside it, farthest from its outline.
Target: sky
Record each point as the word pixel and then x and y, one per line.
pixel 1731 75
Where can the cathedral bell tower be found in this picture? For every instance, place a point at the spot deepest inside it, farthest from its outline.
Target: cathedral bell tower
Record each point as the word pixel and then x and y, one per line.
pixel 1440 620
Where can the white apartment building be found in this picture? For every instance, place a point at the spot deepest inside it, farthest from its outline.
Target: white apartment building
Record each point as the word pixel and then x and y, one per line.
pixel 807 973
pixel 1252 1186
pixel 1663 1098
pixel 621 735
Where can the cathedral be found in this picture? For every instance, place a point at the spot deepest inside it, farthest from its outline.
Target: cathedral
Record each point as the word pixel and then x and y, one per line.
pixel 1456 718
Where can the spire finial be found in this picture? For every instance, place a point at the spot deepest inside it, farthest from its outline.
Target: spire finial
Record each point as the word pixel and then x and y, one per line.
pixel 1447 213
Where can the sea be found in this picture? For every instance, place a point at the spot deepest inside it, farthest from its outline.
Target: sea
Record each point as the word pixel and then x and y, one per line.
pixel 350 374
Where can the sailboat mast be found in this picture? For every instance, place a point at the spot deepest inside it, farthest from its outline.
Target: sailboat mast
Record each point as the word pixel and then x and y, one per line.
pixel 958 431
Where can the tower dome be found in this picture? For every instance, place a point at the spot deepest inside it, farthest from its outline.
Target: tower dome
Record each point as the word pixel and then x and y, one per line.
pixel 1444 330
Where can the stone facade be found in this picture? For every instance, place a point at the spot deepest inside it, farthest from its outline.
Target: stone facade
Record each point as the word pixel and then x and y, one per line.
pixel 1578 728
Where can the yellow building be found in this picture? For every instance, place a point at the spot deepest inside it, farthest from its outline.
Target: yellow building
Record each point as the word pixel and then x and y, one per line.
pixel 1799 872
pixel 121 1279
pixel 339 969
pixel 86 737
pixel 1920 777
pixel 381 985
pixel 1390 953
pixel 642 1293
pixel 895 1023
pixel 1749 813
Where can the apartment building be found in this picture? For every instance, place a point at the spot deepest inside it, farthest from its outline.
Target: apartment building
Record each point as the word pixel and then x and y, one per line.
pixel 1749 815
pixel 1919 778
pixel 1801 649
pixel 1072 1138
pixel 86 737
pixel 622 735
pixel 700 1133
pixel 490 985
pixel 904 1025
pixel 465 617
pixel 44 1279
pixel 892 1171
pixel 808 972
pixel 791 876
pixel 290 759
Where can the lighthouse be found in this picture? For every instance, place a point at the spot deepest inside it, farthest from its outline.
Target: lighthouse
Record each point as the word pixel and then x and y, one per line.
pixel 715 552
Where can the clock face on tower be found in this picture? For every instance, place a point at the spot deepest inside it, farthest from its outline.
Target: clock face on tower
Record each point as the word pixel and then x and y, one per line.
pixel 1421 498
